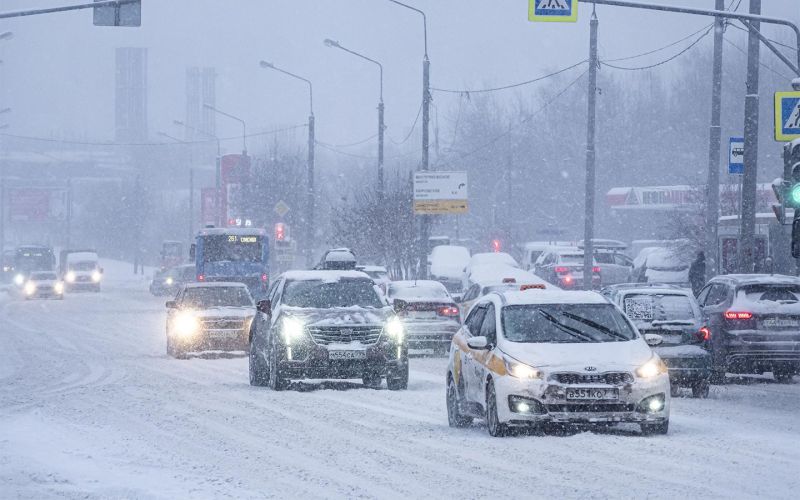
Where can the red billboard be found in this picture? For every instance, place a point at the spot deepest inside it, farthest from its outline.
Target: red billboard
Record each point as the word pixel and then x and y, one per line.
pixel 208 211
pixel 37 204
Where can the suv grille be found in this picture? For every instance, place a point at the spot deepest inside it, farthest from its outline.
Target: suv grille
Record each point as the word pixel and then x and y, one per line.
pixel 590 408
pixel 232 323
pixel 344 335
pixel 610 378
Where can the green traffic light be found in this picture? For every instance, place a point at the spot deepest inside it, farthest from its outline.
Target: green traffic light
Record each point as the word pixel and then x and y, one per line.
pixel 794 195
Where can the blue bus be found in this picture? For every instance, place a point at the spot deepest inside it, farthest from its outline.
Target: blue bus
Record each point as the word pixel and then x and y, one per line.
pixel 233 254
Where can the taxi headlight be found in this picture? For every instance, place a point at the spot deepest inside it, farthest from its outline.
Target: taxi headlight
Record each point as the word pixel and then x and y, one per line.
pixel 59 287
pixel 292 329
pixel 521 370
pixel 19 280
pixel 70 277
pixel 96 276
pixel 186 324
pixel 653 368
pixel 30 288
pixel 394 328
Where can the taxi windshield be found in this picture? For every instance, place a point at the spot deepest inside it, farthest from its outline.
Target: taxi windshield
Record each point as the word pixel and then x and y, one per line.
pixel 565 323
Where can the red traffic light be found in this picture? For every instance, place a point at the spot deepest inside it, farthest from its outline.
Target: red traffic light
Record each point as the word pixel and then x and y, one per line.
pixel 280 231
pixel 496 246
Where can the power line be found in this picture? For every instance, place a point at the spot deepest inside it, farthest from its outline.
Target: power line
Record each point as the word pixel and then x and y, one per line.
pixel 781 44
pixel 759 62
pixel 413 126
pixel 511 86
pixel 146 144
pixel 665 61
pixel 352 144
pixel 676 42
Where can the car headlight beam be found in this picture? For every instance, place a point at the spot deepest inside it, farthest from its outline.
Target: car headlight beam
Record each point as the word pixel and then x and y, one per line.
pixel 395 329
pixel 292 329
pixel 70 277
pixel 521 370
pixel 96 276
pixel 186 324
pixel 59 288
pixel 653 368
pixel 19 280
pixel 30 288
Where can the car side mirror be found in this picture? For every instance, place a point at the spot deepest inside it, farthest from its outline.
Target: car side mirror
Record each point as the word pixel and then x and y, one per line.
pixel 171 304
pixel 264 306
pixel 192 250
pixel 478 343
pixel 653 339
pixel 400 306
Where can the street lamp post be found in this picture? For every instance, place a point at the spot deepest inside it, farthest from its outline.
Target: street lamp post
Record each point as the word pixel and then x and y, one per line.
pixel 381 126
pixel 232 117
pixel 311 145
pixel 217 171
pixel 424 231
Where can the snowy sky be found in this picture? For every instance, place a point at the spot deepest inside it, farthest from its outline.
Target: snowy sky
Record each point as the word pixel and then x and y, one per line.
pixel 57 72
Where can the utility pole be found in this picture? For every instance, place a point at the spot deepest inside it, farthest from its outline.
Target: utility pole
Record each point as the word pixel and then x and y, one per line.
pixel 588 234
pixel 310 194
pixel 714 145
pixel 381 127
pixel 425 221
pixel 747 230
pixel 191 203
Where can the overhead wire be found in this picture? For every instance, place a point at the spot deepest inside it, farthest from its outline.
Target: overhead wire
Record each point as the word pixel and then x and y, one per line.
pixel 763 65
pixel 511 86
pixel 665 61
pixel 410 132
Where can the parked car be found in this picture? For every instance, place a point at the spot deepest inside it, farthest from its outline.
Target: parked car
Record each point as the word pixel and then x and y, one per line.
pixel 337 259
pixel 615 267
pixel 563 267
pixel 527 358
pixel 429 314
pixel 662 265
pixel 327 325
pixel 673 315
pixel 169 282
pixel 379 274
pixel 487 259
pixel 446 265
pixel 533 249
pixel 754 321
pixel 209 316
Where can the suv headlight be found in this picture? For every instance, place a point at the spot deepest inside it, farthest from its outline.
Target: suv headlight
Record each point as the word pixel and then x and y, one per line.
pixel 394 328
pixel 292 329
pixel 186 324
pixel 521 370
pixel 653 368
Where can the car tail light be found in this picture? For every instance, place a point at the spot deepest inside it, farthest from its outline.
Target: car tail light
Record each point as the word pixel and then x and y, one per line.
pixel 738 315
pixel 449 311
pixel 201 277
pixel 264 277
pixel 562 269
pixel 703 334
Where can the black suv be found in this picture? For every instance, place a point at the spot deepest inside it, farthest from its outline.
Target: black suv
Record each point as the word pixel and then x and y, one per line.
pixel 327 325
pixel 755 324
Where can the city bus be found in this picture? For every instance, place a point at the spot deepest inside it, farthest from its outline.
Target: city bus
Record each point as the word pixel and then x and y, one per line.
pixel 233 254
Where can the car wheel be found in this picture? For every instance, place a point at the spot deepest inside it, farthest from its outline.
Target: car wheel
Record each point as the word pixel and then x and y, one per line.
pixel 454 416
pixel 372 380
pixel 173 350
pixel 398 380
pixel 259 373
pixel 700 389
pixel 493 424
pixel 276 381
pixel 783 376
pixel 660 428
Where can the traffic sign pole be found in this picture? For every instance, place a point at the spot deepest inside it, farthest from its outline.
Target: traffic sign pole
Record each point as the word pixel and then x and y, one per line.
pixel 588 235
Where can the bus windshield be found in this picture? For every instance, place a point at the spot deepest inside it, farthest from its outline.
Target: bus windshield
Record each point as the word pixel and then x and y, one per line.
pixel 232 248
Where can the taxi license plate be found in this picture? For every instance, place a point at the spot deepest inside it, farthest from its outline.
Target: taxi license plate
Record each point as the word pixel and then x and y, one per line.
pixel 592 394
pixel 347 355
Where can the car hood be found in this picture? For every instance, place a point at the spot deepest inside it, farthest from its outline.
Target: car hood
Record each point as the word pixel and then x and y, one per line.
pixel 604 356
pixel 340 316
pixel 227 312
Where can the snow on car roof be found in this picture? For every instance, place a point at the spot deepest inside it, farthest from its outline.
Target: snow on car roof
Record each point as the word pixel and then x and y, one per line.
pixel 215 284
pixel 654 290
pixel 550 296
pixel 371 269
pixel 81 256
pixel 492 257
pixel 494 274
pixel 759 279
pixel 323 275
pixel 417 284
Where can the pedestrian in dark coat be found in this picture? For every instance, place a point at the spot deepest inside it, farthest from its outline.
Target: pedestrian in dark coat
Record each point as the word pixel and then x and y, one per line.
pixel 697 273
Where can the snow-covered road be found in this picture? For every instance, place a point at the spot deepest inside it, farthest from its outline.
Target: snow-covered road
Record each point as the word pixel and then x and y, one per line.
pixel 91 407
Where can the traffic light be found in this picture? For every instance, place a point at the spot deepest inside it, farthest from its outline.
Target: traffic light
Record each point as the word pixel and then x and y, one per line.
pixel 787 189
pixel 280 231
pixel 496 246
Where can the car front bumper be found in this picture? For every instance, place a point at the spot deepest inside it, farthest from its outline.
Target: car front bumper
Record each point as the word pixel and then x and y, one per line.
pixel 549 403
pixel 314 361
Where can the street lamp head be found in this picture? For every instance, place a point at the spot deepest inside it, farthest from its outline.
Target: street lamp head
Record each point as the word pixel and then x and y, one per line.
pixel 266 65
pixel 8 35
pixel 331 43
pixel 208 106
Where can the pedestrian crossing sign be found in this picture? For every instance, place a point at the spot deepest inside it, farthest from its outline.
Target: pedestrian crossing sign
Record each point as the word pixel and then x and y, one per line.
pixel 565 11
pixel 787 116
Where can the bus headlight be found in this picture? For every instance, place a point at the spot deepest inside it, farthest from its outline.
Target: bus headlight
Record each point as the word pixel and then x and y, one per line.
pixel 186 324
pixel 70 277
pixel 19 280
pixel 292 328
pixel 30 288
pixel 394 328
pixel 96 276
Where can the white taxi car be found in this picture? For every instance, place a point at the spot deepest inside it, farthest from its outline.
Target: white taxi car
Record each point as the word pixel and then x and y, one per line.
pixel 533 356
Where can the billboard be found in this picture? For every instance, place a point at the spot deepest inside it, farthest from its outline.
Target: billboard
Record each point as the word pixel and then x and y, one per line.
pixel 208 208
pixel 37 204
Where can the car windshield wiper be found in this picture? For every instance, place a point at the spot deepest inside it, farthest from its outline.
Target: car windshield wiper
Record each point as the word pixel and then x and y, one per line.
pixel 596 326
pixel 566 329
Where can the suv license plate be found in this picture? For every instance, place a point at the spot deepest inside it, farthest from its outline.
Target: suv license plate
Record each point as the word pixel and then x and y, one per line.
pixel 347 354
pixel 592 394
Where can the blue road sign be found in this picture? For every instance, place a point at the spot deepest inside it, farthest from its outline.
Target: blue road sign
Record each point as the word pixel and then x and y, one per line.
pixel 787 116
pixel 553 10
pixel 736 155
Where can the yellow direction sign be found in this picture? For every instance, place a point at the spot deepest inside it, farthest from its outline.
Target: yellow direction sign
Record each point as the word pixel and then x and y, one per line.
pixel 563 11
pixel 439 207
pixel 787 116
pixel 281 208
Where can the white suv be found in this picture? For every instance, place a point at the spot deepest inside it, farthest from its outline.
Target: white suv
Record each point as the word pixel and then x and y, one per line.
pixel 529 357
